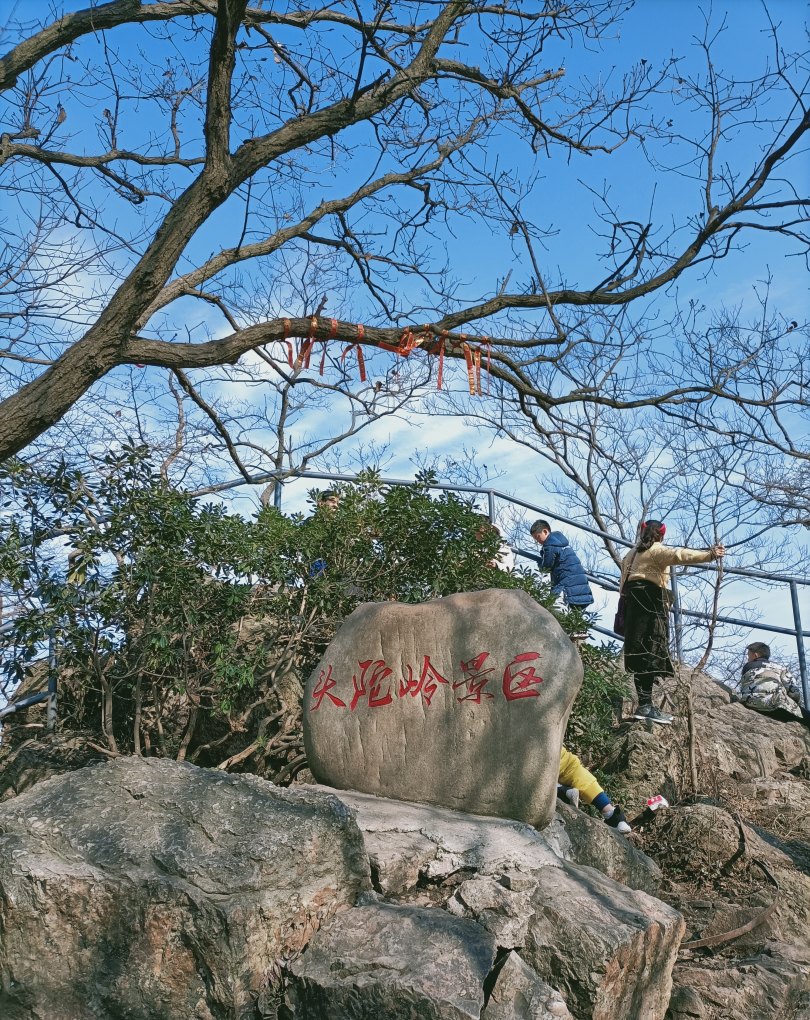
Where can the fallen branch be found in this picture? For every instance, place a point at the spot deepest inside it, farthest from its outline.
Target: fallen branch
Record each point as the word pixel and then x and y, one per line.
pixel 103 750
pixel 735 933
pixel 728 936
pixel 290 769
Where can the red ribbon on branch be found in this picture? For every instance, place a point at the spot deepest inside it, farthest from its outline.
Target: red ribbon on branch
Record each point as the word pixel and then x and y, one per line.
pixel 333 328
pixel 361 364
pixel 302 361
pixel 287 326
pixel 473 366
pixel 442 338
pixel 408 342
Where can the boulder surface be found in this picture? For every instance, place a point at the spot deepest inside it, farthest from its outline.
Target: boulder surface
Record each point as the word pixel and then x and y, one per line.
pixel 574 935
pixel 393 962
pixel 460 702
pixel 144 888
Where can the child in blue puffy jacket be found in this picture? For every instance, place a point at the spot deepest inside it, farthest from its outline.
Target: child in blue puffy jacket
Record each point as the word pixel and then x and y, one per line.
pixel 567 575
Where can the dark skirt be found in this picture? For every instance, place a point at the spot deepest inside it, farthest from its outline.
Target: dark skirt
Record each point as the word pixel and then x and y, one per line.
pixel 646 629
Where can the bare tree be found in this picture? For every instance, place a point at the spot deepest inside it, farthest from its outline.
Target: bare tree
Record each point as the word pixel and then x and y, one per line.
pixel 173 163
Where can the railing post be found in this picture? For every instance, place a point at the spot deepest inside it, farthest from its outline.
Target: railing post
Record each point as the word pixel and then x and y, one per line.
pixel 676 616
pixel 277 489
pixel 797 621
pixel 50 714
pixel 491 505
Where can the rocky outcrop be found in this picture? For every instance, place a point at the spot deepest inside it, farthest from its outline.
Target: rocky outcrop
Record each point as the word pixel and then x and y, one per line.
pixel 185 894
pixel 605 949
pixel 147 888
pixel 175 892
pixel 608 950
pixel 413 847
pixel 734 745
pixel 736 853
pixel 461 702
pixel 772 983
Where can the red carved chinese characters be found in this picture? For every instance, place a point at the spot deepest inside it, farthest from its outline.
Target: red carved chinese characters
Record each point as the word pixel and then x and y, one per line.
pixel 475 679
pixel 371 685
pixel 374 682
pixel 522 682
pixel 323 688
pixel 426 685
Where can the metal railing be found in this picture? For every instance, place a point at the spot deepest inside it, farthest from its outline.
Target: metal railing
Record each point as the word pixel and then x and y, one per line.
pixel 604 581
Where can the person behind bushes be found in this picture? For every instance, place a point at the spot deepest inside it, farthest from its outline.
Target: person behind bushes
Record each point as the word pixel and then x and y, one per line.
pixel 567 575
pixel 326 503
pixel 504 559
pixel 575 781
pixel 770 688
pixel 645 582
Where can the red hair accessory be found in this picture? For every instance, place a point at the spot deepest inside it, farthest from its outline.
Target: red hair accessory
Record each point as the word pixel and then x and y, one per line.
pixel 662 527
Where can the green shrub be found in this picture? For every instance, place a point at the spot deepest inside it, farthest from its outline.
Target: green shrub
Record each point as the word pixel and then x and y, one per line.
pixel 185 630
pixel 590 732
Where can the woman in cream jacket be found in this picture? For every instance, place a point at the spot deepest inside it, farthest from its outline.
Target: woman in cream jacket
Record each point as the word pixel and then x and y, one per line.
pixel 645 582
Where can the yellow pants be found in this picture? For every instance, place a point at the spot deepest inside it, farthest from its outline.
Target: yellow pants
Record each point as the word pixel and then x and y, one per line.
pixel 574 773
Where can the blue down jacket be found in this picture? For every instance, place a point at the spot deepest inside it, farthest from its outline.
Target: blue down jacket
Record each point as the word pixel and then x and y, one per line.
pixel 567 575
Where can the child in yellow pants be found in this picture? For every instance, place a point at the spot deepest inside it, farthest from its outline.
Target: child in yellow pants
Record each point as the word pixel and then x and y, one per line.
pixel 575 781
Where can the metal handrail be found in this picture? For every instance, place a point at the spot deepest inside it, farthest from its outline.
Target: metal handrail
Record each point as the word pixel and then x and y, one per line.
pixel 603 581
pixel 678 612
pixel 606 585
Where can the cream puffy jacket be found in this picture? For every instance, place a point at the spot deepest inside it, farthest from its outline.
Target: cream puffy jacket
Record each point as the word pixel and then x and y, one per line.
pixel 653 564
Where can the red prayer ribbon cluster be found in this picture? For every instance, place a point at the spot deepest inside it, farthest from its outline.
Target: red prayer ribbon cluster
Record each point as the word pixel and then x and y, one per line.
pixel 409 341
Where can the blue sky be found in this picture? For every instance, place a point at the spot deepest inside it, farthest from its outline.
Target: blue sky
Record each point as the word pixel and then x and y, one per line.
pixel 655 30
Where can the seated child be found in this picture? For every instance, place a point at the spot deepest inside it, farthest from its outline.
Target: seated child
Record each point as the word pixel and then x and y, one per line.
pixel 770 688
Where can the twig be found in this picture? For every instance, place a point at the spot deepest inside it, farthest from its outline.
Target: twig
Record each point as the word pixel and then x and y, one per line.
pixel 290 769
pixel 103 750
pixel 741 850
pixel 235 759
pixel 692 738
pixel 713 620
pixel 690 714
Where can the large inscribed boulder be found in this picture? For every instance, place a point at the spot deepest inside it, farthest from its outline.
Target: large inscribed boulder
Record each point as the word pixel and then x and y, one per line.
pixel 460 702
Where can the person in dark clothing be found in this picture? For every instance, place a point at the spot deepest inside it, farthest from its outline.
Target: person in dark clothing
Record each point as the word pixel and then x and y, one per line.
pixel 645 582
pixel 325 503
pixel 567 575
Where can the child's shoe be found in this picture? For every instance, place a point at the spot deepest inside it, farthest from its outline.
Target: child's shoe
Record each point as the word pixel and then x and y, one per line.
pixel 569 793
pixel 616 820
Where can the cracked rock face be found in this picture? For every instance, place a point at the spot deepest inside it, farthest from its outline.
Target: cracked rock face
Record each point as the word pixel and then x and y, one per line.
pixel 568 937
pixel 608 949
pixel 154 890
pixel 390 961
pixel 519 994
pixel 148 888
pixel 461 702
pixel 412 843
